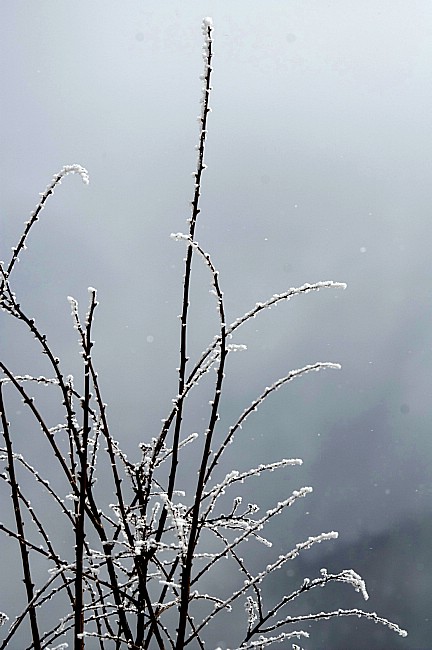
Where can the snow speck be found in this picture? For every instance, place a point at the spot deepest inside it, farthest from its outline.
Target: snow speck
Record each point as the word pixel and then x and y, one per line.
pixel 150 338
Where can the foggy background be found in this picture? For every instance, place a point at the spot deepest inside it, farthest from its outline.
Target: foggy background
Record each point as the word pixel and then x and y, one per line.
pixel 319 162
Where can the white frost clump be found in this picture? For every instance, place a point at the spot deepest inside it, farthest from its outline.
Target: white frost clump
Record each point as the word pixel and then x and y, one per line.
pixel 76 169
pixel 206 23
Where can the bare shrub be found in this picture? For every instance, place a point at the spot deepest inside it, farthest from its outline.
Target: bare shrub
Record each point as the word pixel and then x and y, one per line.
pixel 137 575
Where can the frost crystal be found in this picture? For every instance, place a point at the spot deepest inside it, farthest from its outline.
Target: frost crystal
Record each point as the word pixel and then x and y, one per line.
pixel 76 169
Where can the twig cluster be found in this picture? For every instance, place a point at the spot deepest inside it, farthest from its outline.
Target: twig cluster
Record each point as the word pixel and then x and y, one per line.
pixel 136 575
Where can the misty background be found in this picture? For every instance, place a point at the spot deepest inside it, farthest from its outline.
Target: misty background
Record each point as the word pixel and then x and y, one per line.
pixel 319 159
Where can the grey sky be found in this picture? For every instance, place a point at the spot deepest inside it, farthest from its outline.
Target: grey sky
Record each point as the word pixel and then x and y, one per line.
pixel 319 163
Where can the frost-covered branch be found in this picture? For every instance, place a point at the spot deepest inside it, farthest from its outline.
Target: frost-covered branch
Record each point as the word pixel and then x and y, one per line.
pixel 320 365
pixel 68 169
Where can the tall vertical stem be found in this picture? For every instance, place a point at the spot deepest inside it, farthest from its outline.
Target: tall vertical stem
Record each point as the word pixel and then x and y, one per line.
pixel 83 479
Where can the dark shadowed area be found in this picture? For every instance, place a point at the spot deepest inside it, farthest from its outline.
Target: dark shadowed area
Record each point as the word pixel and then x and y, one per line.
pixel 319 162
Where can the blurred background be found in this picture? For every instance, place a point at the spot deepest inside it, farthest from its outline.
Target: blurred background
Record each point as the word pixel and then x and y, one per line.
pixel 319 162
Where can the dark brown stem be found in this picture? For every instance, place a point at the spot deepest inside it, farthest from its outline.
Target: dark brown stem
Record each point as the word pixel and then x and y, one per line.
pixel 188 266
pixel 80 518
pixel 25 559
pixel 186 291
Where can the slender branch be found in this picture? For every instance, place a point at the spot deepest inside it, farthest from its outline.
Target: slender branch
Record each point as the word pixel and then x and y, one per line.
pixel 319 365
pixel 83 485
pixel 68 169
pixel 195 528
pixel 207 29
pixel 208 53
pixel 25 560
